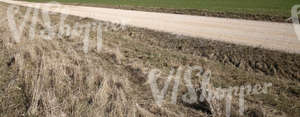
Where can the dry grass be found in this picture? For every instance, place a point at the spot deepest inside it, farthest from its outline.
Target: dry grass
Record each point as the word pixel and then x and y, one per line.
pixel 55 78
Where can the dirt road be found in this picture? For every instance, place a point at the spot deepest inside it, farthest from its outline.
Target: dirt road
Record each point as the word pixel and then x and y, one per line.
pixel 278 36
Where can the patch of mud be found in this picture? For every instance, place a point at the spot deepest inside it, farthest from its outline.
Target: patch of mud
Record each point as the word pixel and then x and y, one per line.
pixel 269 62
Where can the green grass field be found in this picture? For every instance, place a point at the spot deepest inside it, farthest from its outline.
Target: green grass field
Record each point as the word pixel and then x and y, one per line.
pixel 265 7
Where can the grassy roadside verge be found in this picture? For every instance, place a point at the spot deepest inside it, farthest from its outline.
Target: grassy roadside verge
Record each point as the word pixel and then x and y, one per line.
pixel 266 10
pixel 55 78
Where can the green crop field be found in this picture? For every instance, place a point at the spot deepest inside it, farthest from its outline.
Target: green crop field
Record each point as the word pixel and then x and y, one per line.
pixel 267 7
